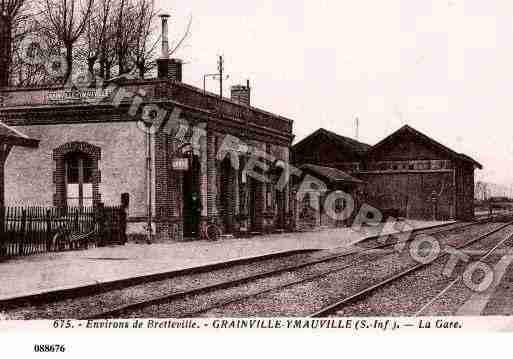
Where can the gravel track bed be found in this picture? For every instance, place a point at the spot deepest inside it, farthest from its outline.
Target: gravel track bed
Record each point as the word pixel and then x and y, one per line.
pixel 459 237
pixel 80 307
pixel 408 295
pixel 84 306
pixel 455 231
pixel 459 294
pixel 501 301
pixel 199 302
pixel 375 242
pixel 204 300
pixel 307 297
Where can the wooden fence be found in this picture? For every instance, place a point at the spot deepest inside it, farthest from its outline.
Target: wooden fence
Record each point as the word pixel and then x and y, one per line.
pixel 32 230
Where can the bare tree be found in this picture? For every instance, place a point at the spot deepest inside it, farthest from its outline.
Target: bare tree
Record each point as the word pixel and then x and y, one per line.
pixel 116 41
pixel 67 21
pixel 180 42
pixel 143 50
pixel 27 68
pixel 95 33
pixel 9 11
pixel 101 35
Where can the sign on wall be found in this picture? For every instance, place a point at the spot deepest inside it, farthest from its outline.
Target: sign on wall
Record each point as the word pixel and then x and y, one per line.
pixel 180 164
pixel 79 94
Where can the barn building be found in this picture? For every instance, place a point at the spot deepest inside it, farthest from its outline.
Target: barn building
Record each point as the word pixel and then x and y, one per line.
pixel 420 177
pixel 161 142
pixel 407 173
pixel 333 160
pixel 328 149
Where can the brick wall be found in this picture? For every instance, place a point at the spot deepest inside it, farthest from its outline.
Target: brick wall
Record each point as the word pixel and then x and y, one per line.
pixel 212 170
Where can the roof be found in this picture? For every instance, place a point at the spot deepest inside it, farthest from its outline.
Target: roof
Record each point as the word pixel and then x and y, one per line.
pixel 157 91
pixel 11 136
pixel 409 129
pixel 356 146
pixel 330 173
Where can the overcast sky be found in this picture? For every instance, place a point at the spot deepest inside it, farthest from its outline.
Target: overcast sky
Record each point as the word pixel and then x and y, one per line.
pixel 444 67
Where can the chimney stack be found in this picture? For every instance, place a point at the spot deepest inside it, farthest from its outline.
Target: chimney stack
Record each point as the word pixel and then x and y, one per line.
pixel 241 94
pixel 165 37
pixel 168 68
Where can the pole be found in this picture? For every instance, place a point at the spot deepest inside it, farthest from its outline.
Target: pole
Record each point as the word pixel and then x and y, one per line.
pixel 221 76
pixel 149 187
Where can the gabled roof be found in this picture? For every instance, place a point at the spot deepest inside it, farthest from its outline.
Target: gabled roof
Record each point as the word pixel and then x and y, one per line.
pixel 427 139
pixel 329 173
pixel 11 136
pixel 351 144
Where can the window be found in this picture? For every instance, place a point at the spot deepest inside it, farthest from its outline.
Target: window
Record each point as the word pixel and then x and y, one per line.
pixel 78 180
pixel 436 164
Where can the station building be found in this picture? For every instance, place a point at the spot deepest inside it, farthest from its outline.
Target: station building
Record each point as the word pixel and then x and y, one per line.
pixel 161 142
pixel 408 173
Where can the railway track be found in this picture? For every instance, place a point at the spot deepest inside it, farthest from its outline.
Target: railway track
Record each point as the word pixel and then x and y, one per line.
pixel 347 259
pixel 332 308
pixel 342 260
pixel 500 257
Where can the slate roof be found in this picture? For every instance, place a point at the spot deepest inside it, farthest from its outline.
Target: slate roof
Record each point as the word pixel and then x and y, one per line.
pixel 329 173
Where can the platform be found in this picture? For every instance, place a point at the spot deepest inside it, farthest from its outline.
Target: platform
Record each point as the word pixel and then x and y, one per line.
pixel 60 270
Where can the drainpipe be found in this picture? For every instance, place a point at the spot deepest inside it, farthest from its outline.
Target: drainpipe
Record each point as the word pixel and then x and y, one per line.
pixel 149 185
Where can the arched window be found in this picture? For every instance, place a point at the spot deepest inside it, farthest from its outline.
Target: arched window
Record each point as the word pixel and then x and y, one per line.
pixel 78 180
pixel 77 175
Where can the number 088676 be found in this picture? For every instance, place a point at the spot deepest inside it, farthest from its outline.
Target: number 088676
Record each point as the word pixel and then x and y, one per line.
pixel 49 348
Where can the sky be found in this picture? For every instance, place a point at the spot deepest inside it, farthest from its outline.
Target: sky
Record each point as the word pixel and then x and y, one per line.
pixel 444 67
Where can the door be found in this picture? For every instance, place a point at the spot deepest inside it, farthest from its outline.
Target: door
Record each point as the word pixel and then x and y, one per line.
pixel 253 188
pixel 191 199
pixel 226 190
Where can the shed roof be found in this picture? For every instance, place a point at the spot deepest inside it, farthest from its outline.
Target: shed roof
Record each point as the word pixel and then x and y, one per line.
pixel 349 143
pixel 11 136
pixel 330 173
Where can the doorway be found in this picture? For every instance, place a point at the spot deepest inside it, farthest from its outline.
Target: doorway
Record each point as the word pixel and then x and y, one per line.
pixel 226 190
pixel 191 199
pixel 253 190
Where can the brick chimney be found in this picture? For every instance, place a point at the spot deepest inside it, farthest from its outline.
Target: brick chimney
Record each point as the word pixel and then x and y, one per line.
pixel 241 94
pixel 168 68
pixel 175 69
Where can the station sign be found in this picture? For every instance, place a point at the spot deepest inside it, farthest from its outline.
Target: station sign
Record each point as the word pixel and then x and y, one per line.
pixel 79 94
pixel 180 164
